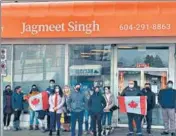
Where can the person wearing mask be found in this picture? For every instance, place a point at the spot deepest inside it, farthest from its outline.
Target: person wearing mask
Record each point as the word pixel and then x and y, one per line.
pixel 96 105
pixel 7 109
pixel 87 114
pixel 132 91
pixel 17 104
pixel 76 104
pixel 150 105
pixel 56 103
pixel 67 116
pixel 166 99
pixel 43 113
pixel 33 114
pixel 107 115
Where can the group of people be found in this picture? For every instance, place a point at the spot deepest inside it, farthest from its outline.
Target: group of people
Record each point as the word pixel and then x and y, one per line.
pixel 167 101
pixel 75 105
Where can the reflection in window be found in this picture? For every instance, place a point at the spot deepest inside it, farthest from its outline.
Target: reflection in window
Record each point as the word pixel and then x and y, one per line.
pixel 156 57
pixel 38 64
pixel 90 65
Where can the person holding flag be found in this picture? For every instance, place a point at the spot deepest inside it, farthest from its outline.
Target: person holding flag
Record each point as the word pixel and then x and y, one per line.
pixel 132 91
pixel 56 104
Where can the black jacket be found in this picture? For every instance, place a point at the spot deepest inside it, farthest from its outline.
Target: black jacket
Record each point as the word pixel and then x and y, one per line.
pixel 150 98
pixel 96 103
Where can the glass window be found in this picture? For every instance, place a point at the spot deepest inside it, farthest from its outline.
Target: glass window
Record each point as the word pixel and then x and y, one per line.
pixel 90 65
pixel 37 64
pixel 135 57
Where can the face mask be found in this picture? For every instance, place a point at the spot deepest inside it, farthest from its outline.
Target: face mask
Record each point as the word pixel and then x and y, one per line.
pixel 131 86
pixel 106 91
pixel 51 85
pixel 78 89
pixel 170 85
pixel 57 90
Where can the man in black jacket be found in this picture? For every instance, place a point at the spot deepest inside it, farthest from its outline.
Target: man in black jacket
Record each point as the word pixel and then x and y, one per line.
pixel 96 104
pixel 150 105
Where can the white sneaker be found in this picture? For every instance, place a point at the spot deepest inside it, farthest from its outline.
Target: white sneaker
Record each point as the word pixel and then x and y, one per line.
pixel 8 128
pixel 5 128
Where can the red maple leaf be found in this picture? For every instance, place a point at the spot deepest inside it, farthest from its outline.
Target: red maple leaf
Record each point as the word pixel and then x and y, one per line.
pixel 35 101
pixel 133 104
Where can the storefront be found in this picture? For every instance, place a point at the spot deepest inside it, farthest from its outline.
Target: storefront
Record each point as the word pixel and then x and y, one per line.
pixel 93 43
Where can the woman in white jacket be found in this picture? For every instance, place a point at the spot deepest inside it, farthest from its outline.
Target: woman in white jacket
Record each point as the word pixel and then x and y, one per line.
pixel 56 103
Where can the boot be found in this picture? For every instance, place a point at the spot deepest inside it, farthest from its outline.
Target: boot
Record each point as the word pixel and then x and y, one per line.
pixel 50 133
pixel 36 127
pixel 18 125
pixel 58 132
pixel 15 126
pixel 30 127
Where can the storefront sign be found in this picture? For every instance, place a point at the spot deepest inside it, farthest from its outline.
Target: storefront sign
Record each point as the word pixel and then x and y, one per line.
pixel 88 19
pixel 85 71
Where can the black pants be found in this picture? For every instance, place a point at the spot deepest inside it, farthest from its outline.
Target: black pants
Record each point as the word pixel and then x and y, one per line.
pixel 7 118
pixel 17 115
pixel 42 115
pixel 149 119
pixel 96 120
pixel 48 121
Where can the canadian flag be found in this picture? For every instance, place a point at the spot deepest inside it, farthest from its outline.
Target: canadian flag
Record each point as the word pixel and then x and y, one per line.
pixel 133 104
pixel 39 101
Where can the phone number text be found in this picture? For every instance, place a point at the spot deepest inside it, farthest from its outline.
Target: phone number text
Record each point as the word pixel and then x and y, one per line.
pixel 144 27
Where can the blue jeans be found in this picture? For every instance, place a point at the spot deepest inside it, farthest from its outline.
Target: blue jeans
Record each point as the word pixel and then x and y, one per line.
pixel 107 115
pixel 86 116
pixel 33 116
pixel 137 119
pixel 74 117
pixel 55 118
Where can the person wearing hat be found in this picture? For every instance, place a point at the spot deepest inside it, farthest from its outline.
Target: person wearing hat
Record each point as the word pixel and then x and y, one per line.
pixel 17 105
pixel 166 99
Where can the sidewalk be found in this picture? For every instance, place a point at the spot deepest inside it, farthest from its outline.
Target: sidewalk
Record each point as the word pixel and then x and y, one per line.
pixel 117 132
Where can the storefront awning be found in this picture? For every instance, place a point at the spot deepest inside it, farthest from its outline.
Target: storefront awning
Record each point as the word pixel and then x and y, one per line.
pixel 88 19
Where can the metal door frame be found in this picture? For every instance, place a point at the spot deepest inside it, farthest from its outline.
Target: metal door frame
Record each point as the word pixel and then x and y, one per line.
pixel 141 70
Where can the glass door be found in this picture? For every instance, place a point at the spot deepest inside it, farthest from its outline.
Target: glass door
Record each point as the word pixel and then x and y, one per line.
pixel 156 76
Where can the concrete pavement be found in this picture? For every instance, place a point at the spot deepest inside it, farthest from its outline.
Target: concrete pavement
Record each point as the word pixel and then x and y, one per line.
pixel 117 132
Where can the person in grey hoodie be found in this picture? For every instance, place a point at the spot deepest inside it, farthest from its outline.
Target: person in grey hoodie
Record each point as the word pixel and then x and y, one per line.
pixel 132 91
pixel 76 104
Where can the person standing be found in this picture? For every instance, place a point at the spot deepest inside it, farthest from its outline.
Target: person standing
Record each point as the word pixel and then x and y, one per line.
pixel 33 114
pixel 17 104
pixel 150 105
pixel 132 91
pixel 87 114
pixel 7 109
pixel 56 103
pixel 76 104
pixel 107 114
pixel 43 113
pixel 166 99
pixel 96 105
pixel 67 115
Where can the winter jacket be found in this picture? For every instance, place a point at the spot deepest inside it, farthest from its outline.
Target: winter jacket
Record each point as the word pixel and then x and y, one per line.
pixel 96 103
pixel 76 102
pixel 110 102
pixel 167 97
pixel 7 101
pixel 131 92
pixel 150 99
pixel 60 103
pixel 17 101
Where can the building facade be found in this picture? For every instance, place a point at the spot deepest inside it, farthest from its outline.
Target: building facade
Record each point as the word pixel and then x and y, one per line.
pixel 92 43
